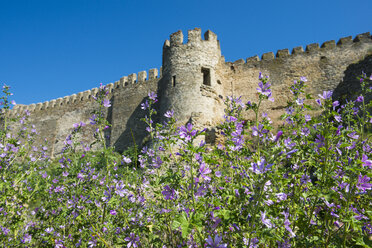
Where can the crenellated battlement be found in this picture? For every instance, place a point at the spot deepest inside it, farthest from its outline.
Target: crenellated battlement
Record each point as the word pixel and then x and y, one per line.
pixel 194 39
pixel 310 49
pixel 86 96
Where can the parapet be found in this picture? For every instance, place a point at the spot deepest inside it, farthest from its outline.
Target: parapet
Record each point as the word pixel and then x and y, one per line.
pixel 193 39
pixel 87 95
pixel 342 43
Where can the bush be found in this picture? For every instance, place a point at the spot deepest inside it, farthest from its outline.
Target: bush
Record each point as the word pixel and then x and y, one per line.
pixel 306 184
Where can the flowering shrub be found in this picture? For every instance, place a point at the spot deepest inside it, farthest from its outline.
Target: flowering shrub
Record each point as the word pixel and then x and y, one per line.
pixel 306 184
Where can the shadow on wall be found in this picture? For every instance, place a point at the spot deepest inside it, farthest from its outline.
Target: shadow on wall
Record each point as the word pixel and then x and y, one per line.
pixel 135 129
pixel 349 87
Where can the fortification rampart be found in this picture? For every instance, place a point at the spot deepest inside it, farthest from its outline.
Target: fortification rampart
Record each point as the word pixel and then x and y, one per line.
pixel 54 119
pixel 125 82
pixel 194 80
pixel 330 66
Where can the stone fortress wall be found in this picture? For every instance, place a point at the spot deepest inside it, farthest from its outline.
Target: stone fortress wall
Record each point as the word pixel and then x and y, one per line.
pixel 331 66
pixel 54 119
pixel 194 81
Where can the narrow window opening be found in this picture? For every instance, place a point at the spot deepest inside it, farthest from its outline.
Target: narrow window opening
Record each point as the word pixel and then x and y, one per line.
pixel 206 76
pixel 174 81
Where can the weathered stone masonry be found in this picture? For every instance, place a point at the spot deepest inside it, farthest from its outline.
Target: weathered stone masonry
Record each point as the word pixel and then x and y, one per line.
pixel 194 81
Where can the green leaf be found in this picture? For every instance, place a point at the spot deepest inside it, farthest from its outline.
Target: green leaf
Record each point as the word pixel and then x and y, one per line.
pixel 182 222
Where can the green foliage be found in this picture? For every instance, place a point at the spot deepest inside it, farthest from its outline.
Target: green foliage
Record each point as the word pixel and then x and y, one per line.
pixel 304 185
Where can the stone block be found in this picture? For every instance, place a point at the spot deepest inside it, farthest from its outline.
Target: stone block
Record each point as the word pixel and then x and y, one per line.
pixel 38 106
pixel 239 61
pixel 194 35
pixel 297 50
pixel 123 81
pixel 153 73
pixel 345 40
pixel 282 53
pixel 142 76
pixel 363 37
pixel 132 78
pixel 176 38
pixel 329 45
pixel 252 59
pixel 312 47
pixel 268 56
pixel 209 35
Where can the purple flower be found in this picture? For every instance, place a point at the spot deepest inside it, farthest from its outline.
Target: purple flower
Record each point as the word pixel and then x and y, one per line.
pixel 260 76
pixel 27 238
pixel 92 243
pixel 145 105
pixel 150 152
pixel 288 144
pixel 260 167
pixel 319 140
pixel 287 224
pixel 280 133
pixel 326 95
pixel 363 184
pixel 49 230
pixel 281 197
pixel 120 190
pixel 59 244
pixel 253 242
pixel 305 179
pixel 169 114
pixel 258 131
pixel 215 243
pixel 300 101
pixel 269 202
pixel 187 132
pixel 126 160
pixel 289 110
pixel 106 103
pixel 307 118
pixel 93 119
pixel 335 104
pixel 338 118
pixel 152 96
pixel 168 193
pixel 366 161
pixel 266 222
pixel 353 135
pixel 305 131
pixel 80 175
pixel 113 212
pixel 264 89
pixel 303 79
pixel 359 99
pixel 204 170
pixel 157 162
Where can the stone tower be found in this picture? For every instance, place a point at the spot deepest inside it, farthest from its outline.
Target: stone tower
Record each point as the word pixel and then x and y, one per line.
pixel 189 85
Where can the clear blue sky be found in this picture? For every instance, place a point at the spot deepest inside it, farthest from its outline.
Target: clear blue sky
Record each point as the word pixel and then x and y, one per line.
pixel 54 48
